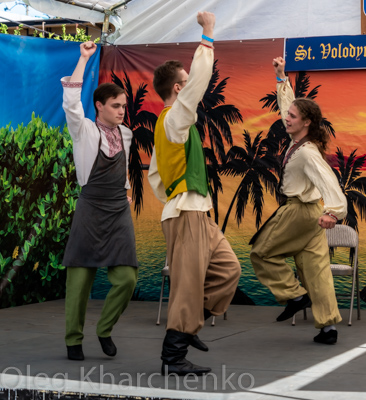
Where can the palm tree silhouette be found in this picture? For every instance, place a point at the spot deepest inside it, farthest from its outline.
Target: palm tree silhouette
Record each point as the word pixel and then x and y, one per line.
pixel 213 169
pixel 142 124
pixel 213 124
pixel 254 164
pixel 277 140
pixel 353 185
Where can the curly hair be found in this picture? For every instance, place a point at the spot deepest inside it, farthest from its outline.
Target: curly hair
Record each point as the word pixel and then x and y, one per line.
pixel 317 133
pixel 165 76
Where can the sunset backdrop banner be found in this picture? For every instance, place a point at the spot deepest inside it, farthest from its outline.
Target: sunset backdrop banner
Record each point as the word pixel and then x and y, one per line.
pixel 237 119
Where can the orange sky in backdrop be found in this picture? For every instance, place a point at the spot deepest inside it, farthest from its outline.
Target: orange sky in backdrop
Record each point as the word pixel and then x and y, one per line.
pixel 247 64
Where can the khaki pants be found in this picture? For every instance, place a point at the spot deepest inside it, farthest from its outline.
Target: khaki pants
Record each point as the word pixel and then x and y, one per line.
pixel 204 271
pixel 294 232
pixel 78 286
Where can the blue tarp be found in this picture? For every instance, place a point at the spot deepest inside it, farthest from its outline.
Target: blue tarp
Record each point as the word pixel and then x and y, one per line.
pixel 30 73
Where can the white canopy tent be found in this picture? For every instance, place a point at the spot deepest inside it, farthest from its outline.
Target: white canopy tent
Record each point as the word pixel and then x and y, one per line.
pixel 164 21
pixel 161 21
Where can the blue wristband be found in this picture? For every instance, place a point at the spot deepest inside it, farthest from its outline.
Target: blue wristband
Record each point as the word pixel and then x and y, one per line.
pixel 207 38
pixel 281 79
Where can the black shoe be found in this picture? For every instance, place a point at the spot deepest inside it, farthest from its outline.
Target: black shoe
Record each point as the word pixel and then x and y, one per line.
pixel 108 346
pixel 183 367
pixel 75 352
pixel 329 337
pixel 293 307
pixel 175 349
pixel 198 344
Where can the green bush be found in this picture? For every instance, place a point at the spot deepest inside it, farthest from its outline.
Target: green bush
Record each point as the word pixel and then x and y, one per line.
pixel 38 193
pixel 80 36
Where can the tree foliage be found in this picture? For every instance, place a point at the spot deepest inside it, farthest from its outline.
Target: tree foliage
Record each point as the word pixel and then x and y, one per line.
pixel 38 192
pixel 80 35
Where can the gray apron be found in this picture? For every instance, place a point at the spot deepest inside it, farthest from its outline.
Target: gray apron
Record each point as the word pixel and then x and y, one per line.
pixel 102 232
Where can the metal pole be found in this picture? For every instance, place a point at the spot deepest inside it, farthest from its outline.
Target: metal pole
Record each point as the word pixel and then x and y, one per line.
pixel 105 28
pixel 107 13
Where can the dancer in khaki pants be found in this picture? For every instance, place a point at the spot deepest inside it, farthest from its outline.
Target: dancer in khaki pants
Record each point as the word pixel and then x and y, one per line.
pixel 204 270
pixel 297 229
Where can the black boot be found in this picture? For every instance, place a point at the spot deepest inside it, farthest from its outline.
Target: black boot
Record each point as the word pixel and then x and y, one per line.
pixel 198 344
pixel 75 352
pixel 175 349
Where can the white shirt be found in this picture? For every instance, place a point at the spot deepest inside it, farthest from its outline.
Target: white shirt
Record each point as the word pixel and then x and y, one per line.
pixel 307 175
pixel 85 134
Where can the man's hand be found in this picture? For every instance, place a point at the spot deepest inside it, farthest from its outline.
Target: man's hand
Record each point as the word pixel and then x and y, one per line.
pixel 279 67
pixel 87 49
pixel 327 222
pixel 207 21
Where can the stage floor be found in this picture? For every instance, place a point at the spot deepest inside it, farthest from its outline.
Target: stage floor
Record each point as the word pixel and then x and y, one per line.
pixel 251 355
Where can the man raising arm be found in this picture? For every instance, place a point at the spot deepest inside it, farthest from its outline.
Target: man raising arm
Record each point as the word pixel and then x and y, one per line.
pixel 298 227
pixel 204 270
pixel 102 232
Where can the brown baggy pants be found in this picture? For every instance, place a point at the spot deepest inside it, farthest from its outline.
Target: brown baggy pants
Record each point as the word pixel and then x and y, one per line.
pixel 294 232
pixel 204 271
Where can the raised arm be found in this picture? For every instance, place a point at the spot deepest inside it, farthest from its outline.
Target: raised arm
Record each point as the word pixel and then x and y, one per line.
pixel 279 67
pixel 183 112
pixel 72 91
pixel 87 49
pixel 207 21
pixel 285 94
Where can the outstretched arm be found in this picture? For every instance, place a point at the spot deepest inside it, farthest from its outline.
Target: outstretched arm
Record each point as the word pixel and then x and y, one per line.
pixel 279 67
pixel 207 21
pixel 72 91
pixel 87 49
pixel 183 112
pixel 285 94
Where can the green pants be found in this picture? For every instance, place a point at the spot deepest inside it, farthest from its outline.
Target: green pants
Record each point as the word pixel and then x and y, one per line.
pixel 294 232
pixel 78 286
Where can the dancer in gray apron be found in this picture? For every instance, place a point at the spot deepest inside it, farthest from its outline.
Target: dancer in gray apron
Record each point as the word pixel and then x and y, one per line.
pixel 102 233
